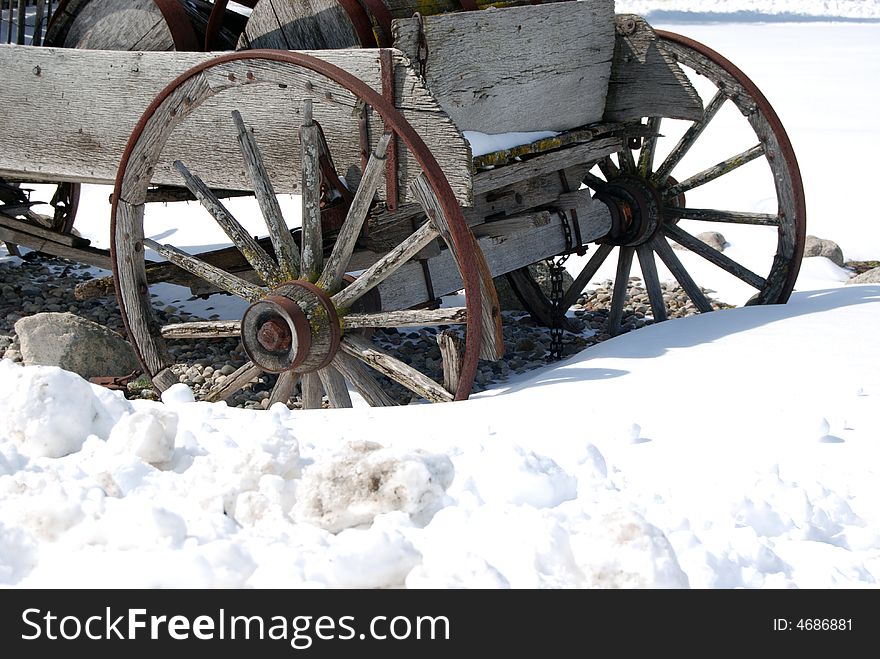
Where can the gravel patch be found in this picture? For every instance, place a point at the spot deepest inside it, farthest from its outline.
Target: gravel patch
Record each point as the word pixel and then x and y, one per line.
pixel 41 283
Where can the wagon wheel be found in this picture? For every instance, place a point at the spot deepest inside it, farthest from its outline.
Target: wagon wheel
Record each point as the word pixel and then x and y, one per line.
pixel 300 321
pixel 650 188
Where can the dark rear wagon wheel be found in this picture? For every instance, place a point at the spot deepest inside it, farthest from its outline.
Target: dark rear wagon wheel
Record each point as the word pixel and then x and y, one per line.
pixel 660 196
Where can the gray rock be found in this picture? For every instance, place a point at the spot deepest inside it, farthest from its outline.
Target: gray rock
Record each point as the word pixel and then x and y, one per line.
pixel 821 247
pixel 74 344
pixel 713 239
pixel 540 273
pixel 871 276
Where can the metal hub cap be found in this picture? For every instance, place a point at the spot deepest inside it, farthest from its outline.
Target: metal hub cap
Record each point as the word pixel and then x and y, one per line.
pixel 635 210
pixel 295 327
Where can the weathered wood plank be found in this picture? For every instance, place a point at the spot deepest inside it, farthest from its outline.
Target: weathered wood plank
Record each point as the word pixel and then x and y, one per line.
pixel 312 391
pixel 283 388
pixel 298 25
pixel 202 329
pixel 334 268
pixel 82 140
pixel 621 283
pixel 131 292
pixel 334 385
pixel 246 244
pixel 111 25
pixel 506 244
pixel 491 338
pixel 243 376
pixel 359 375
pixel 652 281
pixel 645 80
pixel 414 380
pixel 97 257
pixel 452 354
pixel 682 276
pixel 286 251
pixel 220 278
pixel 503 70
pixel 512 174
pixel 312 259
pixel 415 318
pixel 390 263
pixel 30 228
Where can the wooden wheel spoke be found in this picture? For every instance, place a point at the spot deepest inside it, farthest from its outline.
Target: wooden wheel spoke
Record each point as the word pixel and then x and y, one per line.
pixel 491 336
pixel 334 385
pixel 589 271
pixel 211 274
pixel 608 168
pixel 312 241
pixel 652 282
pixel 664 251
pixel 690 137
pixel 415 318
pixel 312 391
pixel 286 251
pixel 649 146
pixel 362 379
pixel 207 329
pixel 729 217
pixel 235 382
pixel 594 181
pixel 714 172
pixel 386 266
pixel 395 369
pixel 283 388
pixel 621 284
pixel 260 261
pixel 715 257
pixel 627 161
pixel 334 269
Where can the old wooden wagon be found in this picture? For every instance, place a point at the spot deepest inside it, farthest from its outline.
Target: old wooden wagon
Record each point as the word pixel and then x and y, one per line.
pixel 361 107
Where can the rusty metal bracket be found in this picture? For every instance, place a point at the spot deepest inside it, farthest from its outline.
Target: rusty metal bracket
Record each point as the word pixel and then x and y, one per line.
pixel 391 188
pixel 361 22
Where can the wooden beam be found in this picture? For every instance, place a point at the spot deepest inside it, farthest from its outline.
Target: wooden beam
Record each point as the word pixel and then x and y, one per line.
pixel 82 140
pixel 507 70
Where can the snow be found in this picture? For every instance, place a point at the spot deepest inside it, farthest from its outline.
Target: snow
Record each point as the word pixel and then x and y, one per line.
pixel 738 449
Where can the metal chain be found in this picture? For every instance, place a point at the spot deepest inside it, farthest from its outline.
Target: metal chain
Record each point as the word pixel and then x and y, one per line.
pixel 557 267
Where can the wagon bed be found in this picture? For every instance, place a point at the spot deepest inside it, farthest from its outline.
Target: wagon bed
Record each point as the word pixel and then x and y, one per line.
pixel 312 122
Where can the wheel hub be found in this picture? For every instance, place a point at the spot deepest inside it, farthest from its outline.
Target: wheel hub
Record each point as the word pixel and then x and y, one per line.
pixel 635 210
pixel 295 327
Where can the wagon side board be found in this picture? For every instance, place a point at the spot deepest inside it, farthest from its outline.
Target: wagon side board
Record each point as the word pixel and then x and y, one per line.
pixel 83 105
pixel 529 68
pixel 645 80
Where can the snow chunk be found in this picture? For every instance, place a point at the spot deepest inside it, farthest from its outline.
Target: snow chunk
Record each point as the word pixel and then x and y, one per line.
pixel 621 550
pixel 178 394
pixel 148 434
pixel 365 479
pixel 49 412
pixel 518 476
pixel 371 558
